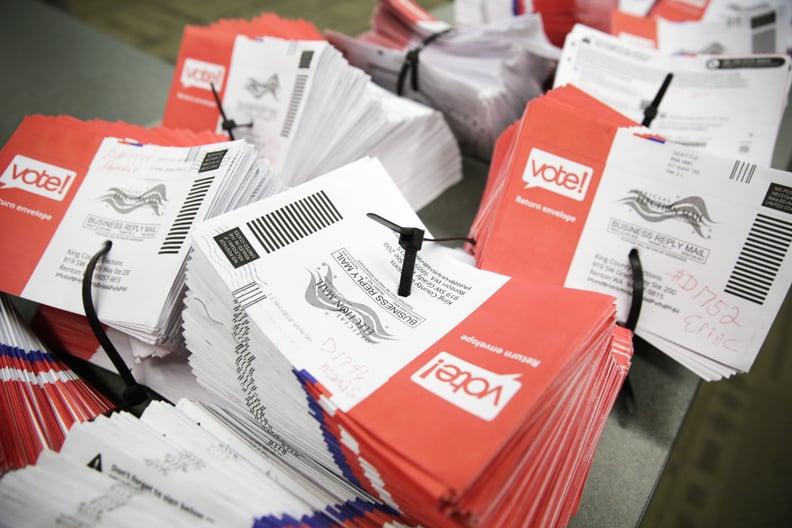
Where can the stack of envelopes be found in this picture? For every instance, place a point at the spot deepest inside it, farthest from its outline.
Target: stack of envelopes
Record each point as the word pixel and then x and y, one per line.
pixel 480 78
pixel 737 30
pixel 477 399
pixel 40 397
pixel 729 105
pixel 575 187
pixel 185 465
pixel 305 107
pixel 69 187
pixel 558 16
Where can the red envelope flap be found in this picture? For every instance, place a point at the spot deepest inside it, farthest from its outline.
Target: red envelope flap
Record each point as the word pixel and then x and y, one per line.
pixel 42 166
pixel 479 388
pixel 644 27
pixel 679 10
pixel 204 59
pixel 558 161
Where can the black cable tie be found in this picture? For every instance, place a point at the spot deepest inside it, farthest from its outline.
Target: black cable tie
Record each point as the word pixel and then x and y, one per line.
pixel 637 290
pixel 228 124
pixel 651 111
pixel 411 240
pixel 410 63
pixel 134 393
pixel 626 393
pixel 471 241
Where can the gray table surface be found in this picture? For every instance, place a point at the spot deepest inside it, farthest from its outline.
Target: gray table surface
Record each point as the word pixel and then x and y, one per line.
pixel 55 64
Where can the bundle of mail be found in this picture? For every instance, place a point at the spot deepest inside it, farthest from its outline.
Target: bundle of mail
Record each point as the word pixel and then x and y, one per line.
pixel 558 16
pixel 304 107
pixel 479 78
pixel 473 400
pixel 41 398
pixel 342 402
pixel 714 27
pixel 69 187
pixel 186 465
pixel 729 105
pixel 713 233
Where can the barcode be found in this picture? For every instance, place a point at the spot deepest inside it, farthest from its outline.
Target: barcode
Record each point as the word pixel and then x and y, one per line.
pixel 305 59
pixel 294 104
pixel 212 160
pixel 742 171
pixel 184 220
pixel 764 32
pixel 295 221
pixel 761 256
pixel 192 154
pixel 764 41
pixel 249 294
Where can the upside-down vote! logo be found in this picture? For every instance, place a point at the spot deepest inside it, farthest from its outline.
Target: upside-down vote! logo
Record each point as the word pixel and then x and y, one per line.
pixel 477 390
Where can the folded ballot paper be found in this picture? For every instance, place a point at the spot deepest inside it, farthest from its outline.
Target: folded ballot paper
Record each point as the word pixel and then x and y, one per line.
pixel 305 108
pixel 185 465
pixel 476 399
pixel 713 233
pixel 480 79
pixel 66 189
pixel 40 397
pixel 728 105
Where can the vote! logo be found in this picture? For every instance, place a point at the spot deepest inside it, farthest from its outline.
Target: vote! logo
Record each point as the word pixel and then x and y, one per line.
pixel 202 74
pixel 557 174
pixel 476 390
pixel 37 177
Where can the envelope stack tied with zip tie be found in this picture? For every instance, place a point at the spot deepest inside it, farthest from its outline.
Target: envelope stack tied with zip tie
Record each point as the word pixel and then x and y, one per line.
pixel 479 78
pixel 727 105
pixel 475 399
pixel 565 204
pixel 69 186
pixel 277 84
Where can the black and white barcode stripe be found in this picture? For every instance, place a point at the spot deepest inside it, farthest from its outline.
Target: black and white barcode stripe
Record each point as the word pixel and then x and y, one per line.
pixel 192 154
pixel 184 220
pixel 758 263
pixel 294 221
pixel 742 171
pixel 248 295
pixel 763 33
pixel 294 104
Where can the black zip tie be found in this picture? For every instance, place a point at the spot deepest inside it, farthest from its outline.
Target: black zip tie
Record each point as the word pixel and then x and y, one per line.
pixel 228 124
pixel 651 111
pixel 411 240
pixel 410 63
pixel 133 393
pixel 626 393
